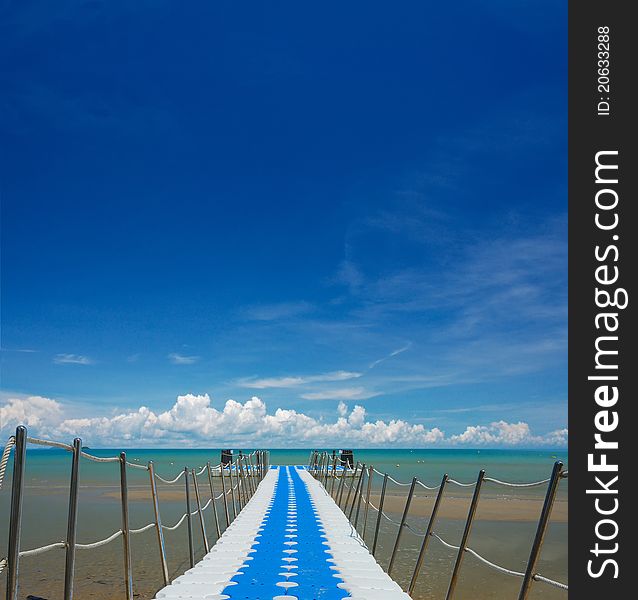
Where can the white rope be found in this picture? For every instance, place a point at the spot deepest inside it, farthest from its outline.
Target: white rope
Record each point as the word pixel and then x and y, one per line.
pixel 42 549
pixel 391 478
pixel 493 565
pixel 100 459
pixel 519 485
pixel 99 543
pixel 499 568
pixel 427 487
pixel 455 482
pixel 385 516
pixel 398 482
pixel 207 504
pixel 452 546
pixel 174 527
pixel 3 564
pixel 407 525
pixel 141 529
pixel 130 464
pixel 564 475
pixel 557 584
pixel 181 473
pixel 3 462
pixel 49 443
pixel 201 470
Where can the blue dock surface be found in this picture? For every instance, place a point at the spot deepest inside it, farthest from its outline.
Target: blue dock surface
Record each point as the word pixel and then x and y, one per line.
pixel 290 542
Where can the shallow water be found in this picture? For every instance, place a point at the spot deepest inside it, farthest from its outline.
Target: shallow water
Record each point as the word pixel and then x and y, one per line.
pixel 505 539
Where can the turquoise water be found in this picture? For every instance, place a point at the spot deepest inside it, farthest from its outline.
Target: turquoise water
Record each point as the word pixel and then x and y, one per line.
pixel 52 466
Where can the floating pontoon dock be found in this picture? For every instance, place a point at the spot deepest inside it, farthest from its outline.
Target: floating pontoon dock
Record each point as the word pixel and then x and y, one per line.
pixel 291 541
pixel 290 532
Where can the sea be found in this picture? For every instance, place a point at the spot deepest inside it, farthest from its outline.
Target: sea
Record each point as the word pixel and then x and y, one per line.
pixel 503 531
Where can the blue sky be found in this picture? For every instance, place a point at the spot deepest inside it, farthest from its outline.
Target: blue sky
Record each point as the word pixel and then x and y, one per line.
pixel 322 206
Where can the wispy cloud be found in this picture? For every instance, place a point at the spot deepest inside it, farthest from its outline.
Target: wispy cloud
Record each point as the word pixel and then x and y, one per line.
pixel 275 312
pixel 20 350
pixel 393 353
pixel 72 359
pixel 180 359
pixel 351 393
pixel 291 381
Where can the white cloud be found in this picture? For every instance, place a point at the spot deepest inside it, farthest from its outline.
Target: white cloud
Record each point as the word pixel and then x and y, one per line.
pixel 72 359
pixel 296 380
pixel 32 411
pixel 507 434
pixel 195 420
pixel 393 353
pixel 276 312
pixel 351 393
pixel 180 359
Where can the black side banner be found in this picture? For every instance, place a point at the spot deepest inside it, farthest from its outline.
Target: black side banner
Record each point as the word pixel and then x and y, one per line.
pixel 603 168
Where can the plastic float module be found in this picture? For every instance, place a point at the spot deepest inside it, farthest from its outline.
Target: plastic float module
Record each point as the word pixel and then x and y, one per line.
pixel 290 542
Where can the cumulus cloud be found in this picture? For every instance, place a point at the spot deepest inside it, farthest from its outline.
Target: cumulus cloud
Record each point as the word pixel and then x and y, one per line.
pixel 180 359
pixel 289 381
pixel 32 411
pixel 72 359
pixel 507 434
pixel 194 420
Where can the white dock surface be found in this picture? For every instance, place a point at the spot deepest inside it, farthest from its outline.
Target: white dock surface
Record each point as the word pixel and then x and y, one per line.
pixel 290 542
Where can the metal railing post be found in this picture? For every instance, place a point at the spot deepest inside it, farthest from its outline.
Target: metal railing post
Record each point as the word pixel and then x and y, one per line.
pixel 466 535
pixel 364 473
pixel 200 513
pixel 232 489
pixel 326 471
pixel 404 518
pixel 354 474
pixel 334 476
pixel 239 486
pixel 15 519
pixel 252 474
pixel 378 525
pixel 158 524
pixel 126 532
pixel 365 512
pixel 543 521
pixel 224 495
pixel 356 492
pixel 74 490
pixel 339 493
pixel 241 492
pixel 189 522
pixel 428 534
pixel 212 499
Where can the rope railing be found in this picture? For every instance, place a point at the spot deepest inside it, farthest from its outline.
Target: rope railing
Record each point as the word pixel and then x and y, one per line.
pixel 518 485
pixel 4 459
pixel 100 459
pixel 497 567
pixel 320 467
pixel 170 481
pixel 50 444
pixel 244 478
